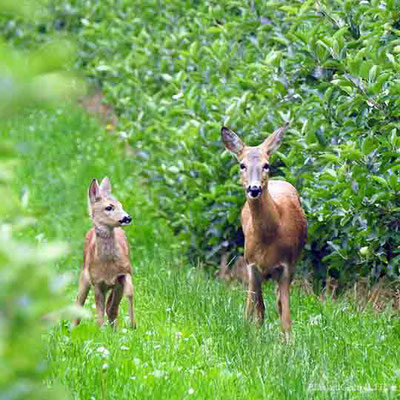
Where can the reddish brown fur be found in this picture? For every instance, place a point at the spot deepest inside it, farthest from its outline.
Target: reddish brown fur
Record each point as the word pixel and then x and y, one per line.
pixel 108 270
pixel 274 227
pixel 106 256
pixel 273 223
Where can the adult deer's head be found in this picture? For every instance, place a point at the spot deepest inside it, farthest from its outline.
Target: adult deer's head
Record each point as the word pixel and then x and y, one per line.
pixel 254 160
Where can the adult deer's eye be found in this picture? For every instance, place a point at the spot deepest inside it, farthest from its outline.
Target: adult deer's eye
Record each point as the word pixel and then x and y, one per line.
pixel 266 167
pixel 109 208
pixel 242 166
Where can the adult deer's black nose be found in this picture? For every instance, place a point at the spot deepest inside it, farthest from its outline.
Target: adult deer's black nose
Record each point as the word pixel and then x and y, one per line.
pixel 254 191
pixel 126 220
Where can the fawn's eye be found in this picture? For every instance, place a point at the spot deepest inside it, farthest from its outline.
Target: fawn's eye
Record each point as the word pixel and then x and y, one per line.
pixel 109 208
pixel 242 166
pixel 266 167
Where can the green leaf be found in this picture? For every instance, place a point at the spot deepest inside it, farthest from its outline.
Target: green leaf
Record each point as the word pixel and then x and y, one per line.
pixel 372 74
pixel 380 180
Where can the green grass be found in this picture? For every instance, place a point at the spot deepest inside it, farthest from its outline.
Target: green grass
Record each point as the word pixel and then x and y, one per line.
pixel 191 340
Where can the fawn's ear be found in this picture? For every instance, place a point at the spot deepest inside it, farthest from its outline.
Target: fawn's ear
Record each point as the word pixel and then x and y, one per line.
pixel 105 186
pixel 94 191
pixel 232 141
pixel 273 141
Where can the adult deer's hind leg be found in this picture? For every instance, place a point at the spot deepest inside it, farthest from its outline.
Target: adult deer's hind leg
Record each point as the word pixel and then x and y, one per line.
pixel 255 304
pixel 284 300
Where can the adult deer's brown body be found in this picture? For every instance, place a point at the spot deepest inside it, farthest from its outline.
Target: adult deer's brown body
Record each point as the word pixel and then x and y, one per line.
pixel 273 223
pixel 106 255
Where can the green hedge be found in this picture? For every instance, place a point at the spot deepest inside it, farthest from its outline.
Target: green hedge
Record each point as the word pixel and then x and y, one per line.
pixel 177 70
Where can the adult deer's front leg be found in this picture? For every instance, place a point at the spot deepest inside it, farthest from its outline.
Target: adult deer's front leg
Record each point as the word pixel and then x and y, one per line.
pixel 255 304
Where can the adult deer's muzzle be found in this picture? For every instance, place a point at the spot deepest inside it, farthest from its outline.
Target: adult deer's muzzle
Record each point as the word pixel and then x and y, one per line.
pixel 254 191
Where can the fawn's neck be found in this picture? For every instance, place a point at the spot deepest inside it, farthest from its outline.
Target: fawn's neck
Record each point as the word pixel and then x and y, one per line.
pixel 105 243
pixel 264 215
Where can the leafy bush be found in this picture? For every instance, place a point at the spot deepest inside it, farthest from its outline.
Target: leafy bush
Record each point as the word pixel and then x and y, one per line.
pixel 176 71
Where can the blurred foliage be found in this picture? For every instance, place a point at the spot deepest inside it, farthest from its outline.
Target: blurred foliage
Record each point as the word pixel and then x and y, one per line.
pixel 177 70
pixel 35 78
pixel 31 291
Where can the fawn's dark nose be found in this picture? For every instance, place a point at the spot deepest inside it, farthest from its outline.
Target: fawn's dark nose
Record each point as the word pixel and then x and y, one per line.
pixel 126 220
pixel 254 191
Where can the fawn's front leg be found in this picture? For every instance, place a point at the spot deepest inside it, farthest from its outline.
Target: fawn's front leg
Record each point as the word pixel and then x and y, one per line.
pixel 100 299
pixel 84 287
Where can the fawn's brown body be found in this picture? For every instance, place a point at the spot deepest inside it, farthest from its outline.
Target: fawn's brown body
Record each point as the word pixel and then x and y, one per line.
pixel 106 255
pixel 273 222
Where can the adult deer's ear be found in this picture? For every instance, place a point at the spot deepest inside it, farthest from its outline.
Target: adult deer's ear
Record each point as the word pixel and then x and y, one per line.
pixel 94 191
pixel 272 142
pixel 105 186
pixel 232 141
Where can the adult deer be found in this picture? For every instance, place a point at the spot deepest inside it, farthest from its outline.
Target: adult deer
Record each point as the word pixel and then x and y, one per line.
pixel 273 222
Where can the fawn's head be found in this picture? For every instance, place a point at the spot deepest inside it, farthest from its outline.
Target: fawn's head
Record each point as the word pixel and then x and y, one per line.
pixel 104 208
pixel 254 160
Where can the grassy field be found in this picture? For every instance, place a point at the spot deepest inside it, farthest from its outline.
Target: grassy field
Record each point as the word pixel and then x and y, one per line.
pixel 191 340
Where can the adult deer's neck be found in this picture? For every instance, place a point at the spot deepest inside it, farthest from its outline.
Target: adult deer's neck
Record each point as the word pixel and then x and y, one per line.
pixel 264 215
pixel 105 243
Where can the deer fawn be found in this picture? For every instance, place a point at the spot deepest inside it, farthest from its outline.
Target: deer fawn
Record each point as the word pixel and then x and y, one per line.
pixel 273 222
pixel 106 255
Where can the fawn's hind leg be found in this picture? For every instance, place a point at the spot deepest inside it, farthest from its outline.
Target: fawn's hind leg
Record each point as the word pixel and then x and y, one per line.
pixel 128 292
pixel 113 301
pixel 84 287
